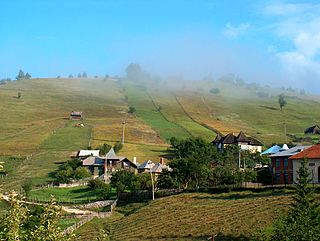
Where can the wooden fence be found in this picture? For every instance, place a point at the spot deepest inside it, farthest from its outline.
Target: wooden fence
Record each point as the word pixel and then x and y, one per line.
pixel 88 217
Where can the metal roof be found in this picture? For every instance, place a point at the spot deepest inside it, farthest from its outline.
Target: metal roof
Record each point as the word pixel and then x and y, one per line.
pixel 291 151
pixel 83 153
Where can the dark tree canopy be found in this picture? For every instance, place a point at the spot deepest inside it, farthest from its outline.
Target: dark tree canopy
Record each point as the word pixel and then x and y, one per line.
pixel 20 75
pixel 282 101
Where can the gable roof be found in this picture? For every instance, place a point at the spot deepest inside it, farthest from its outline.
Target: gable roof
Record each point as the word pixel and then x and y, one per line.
pixel 84 153
pixel 242 137
pixel 312 130
pixel 92 161
pixel 111 154
pixel 158 168
pixel 232 139
pixel 146 165
pixel 272 150
pixel 290 152
pixel 312 152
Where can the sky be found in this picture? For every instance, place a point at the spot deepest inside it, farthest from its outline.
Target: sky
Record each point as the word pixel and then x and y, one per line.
pixel 269 42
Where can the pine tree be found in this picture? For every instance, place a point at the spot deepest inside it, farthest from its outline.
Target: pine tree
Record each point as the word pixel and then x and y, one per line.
pixel 20 75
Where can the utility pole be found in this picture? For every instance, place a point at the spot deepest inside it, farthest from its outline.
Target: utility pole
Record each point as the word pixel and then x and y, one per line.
pixel 123 128
pixel 152 183
pixel 285 132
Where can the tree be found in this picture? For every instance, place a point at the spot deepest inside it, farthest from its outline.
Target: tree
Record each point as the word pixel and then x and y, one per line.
pixel 104 149
pixel 117 147
pixel 20 75
pixel 79 75
pixel 14 220
pixel 84 75
pixel 134 71
pixel 123 180
pixel 81 173
pixel 27 76
pixel 282 102
pixel 27 186
pixel 131 110
pixel 70 76
pixel 303 220
pixel 19 95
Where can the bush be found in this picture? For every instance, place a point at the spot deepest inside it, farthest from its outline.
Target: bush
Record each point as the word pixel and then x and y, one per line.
pixel 131 110
pixel 215 91
pixel 102 189
pixel 104 149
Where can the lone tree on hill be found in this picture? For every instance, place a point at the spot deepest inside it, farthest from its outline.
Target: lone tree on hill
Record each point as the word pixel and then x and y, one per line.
pixel 20 75
pixel 27 76
pixel 282 101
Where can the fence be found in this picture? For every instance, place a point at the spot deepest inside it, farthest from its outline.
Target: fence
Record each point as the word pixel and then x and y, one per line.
pixel 88 217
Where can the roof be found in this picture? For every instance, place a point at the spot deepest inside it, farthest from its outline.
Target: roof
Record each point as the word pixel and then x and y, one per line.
pixel 312 152
pixel 88 153
pixel 272 150
pixel 93 160
pixel 76 113
pixel 313 129
pixel 111 154
pixel 146 165
pixel 218 138
pixel 232 139
pixel 242 137
pixel 290 152
pixel 158 168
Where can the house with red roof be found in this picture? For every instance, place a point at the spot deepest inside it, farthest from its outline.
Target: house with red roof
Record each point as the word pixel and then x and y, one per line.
pixel 312 154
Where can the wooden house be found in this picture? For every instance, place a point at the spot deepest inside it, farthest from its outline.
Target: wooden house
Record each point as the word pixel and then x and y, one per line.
pixel 76 115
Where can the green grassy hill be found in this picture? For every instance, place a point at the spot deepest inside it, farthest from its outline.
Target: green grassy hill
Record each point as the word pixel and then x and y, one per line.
pixel 35 128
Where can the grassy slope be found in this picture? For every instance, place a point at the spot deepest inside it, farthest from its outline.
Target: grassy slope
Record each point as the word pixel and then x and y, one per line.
pixel 194 216
pixel 37 127
pixel 237 108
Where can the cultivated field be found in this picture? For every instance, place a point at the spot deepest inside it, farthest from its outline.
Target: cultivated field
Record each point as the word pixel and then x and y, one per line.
pixel 194 216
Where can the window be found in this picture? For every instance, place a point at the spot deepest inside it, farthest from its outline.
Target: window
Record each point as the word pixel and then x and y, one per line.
pixel 285 162
pixel 277 162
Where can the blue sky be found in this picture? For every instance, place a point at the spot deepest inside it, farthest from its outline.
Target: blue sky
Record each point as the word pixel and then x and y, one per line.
pixel 263 41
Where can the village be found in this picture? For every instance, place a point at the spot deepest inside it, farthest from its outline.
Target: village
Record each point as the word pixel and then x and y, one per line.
pixel 283 162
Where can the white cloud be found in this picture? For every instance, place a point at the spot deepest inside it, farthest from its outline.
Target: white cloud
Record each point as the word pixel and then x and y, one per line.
pixel 234 31
pixel 299 26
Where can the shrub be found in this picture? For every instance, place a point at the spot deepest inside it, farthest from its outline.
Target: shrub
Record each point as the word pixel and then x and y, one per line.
pixel 131 110
pixel 215 91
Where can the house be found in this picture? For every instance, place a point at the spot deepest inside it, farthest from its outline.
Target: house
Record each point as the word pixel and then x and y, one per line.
pixel 312 154
pixel 156 168
pixel 145 166
pixel 104 166
pixel 244 142
pixel 312 130
pixel 282 166
pixel 76 115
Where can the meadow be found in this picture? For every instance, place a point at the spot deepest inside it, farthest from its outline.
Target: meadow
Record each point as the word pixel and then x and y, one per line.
pixel 36 129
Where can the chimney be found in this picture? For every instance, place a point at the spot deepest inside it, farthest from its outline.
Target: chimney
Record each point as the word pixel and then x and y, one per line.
pixel 161 161
pixel 135 160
